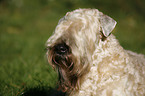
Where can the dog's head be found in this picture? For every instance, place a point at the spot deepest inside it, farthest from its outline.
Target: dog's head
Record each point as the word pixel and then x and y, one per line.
pixel 73 42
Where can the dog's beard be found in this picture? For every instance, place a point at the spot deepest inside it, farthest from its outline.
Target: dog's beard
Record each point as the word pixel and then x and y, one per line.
pixel 64 63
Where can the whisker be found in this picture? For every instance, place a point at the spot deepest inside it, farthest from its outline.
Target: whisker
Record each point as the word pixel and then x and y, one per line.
pixel 71 65
pixel 55 62
pixel 63 62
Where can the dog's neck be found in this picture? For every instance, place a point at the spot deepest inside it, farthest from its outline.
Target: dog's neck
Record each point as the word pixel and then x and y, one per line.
pixel 101 73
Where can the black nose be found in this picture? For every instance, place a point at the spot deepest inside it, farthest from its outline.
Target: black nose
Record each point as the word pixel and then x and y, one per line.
pixel 61 49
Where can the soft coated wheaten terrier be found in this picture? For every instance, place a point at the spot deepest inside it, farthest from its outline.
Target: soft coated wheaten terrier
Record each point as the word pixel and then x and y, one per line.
pixel 90 61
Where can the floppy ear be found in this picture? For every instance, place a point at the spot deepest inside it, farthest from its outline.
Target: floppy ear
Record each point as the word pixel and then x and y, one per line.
pixel 107 24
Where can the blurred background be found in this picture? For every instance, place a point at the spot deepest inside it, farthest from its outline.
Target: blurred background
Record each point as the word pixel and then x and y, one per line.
pixel 25 26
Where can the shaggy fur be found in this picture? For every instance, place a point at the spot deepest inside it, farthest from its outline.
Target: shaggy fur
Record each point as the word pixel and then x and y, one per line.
pixel 90 61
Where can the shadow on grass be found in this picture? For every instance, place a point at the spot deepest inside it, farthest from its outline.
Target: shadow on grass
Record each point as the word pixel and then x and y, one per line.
pixel 42 91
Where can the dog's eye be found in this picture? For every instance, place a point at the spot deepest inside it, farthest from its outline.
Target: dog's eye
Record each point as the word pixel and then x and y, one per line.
pixel 61 49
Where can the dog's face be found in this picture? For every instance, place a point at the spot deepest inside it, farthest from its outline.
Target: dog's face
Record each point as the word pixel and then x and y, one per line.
pixel 71 46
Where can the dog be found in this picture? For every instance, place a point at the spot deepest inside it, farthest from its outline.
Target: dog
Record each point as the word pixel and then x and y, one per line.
pixel 89 59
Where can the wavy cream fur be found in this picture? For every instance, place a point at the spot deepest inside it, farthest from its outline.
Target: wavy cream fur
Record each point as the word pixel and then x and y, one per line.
pixel 112 70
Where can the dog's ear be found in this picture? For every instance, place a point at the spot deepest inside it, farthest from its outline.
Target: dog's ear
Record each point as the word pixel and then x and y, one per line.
pixel 107 24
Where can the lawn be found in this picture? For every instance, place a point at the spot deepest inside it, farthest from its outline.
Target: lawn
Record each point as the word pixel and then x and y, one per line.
pixel 25 27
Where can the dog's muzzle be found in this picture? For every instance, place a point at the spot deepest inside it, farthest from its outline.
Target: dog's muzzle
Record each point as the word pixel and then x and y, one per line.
pixel 62 56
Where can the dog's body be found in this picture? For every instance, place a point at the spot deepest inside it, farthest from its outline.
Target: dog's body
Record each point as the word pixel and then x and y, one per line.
pixel 90 61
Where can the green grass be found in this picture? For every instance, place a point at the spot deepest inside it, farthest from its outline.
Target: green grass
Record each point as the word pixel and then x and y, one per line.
pixel 22 55
pixel 24 31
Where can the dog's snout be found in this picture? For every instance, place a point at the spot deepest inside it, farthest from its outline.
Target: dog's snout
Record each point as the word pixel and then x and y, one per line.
pixel 61 49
